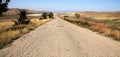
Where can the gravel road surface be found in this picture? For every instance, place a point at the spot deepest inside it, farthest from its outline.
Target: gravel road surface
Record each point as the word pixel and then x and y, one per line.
pixel 59 38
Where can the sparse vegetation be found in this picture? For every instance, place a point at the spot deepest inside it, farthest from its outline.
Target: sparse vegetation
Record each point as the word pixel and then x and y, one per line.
pixel 77 15
pixel 114 27
pixel 12 30
pixel 22 17
pixel 101 15
pixel 51 15
pixel 66 17
pixel 106 23
pixel 44 15
pixel 9 31
pixel 85 24
pixel 104 28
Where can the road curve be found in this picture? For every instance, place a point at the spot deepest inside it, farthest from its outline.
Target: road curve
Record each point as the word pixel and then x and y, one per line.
pixel 59 38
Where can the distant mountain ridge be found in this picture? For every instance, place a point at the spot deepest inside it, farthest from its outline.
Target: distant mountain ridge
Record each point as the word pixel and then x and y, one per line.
pixel 15 11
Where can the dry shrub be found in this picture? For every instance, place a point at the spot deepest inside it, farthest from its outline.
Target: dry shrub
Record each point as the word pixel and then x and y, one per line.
pixel 105 30
pixel 25 30
pixel 102 28
pixel 8 36
pixel 116 35
pixel 6 25
pixel 15 31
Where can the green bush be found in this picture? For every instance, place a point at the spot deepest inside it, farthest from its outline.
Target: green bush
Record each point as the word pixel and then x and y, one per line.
pixel 77 15
pixel 44 15
pixel 85 24
pixel 22 19
pixel 113 27
pixel 51 15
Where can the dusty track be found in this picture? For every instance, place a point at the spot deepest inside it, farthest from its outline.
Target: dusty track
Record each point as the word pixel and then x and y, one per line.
pixel 59 38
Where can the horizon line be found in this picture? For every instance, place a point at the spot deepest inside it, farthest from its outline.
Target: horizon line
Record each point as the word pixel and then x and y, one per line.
pixel 69 10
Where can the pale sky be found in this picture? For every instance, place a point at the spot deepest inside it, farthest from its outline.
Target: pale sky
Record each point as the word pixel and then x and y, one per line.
pixel 67 5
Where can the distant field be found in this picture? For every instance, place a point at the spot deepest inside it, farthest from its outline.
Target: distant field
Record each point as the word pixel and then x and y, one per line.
pixel 105 23
pixel 99 15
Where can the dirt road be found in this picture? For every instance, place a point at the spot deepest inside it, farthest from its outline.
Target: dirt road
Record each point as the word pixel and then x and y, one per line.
pixel 59 38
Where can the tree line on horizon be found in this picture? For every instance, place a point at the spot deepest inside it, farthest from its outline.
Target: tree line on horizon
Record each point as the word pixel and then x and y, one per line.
pixel 46 15
pixel 22 19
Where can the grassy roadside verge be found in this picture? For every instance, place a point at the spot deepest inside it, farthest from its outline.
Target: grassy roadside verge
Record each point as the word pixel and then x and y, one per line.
pixel 10 32
pixel 103 28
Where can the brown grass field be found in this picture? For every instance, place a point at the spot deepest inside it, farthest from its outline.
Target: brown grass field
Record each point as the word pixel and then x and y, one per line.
pixel 105 23
pixel 98 15
pixel 9 32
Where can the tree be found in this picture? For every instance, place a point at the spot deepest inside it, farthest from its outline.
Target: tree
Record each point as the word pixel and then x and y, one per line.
pixel 77 15
pixel 3 6
pixel 44 15
pixel 51 15
pixel 22 17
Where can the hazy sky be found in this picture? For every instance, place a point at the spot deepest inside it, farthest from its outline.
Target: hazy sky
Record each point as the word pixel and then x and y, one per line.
pixel 67 5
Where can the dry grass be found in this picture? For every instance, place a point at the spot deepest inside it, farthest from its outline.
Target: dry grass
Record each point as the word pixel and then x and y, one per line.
pixel 98 15
pixel 7 37
pixel 105 30
pixel 106 23
pixel 102 15
pixel 102 28
pixel 6 25
pixel 13 32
